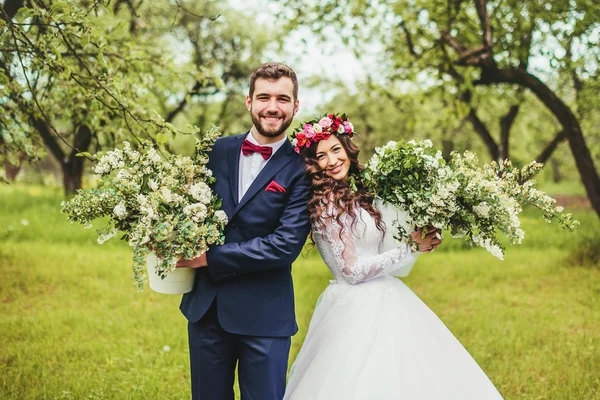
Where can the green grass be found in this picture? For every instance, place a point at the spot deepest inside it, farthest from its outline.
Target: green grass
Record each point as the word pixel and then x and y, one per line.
pixel 73 326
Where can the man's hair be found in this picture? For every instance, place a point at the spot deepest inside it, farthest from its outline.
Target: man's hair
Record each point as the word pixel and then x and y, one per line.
pixel 274 70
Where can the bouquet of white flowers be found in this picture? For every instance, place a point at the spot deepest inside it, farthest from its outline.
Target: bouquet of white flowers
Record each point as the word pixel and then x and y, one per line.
pixel 163 205
pixel 472 202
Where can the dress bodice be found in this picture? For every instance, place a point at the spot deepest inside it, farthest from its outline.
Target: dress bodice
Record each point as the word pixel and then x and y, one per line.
pixel 355 251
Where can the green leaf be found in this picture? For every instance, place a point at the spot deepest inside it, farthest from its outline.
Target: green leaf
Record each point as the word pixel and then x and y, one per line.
pixel 161 138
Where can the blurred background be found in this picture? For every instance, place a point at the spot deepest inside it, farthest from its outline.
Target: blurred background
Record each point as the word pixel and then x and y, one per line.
pixel 504 79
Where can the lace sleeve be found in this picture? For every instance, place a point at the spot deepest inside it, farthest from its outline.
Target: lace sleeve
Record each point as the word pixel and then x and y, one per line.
pixel 389 243
pixel 354 267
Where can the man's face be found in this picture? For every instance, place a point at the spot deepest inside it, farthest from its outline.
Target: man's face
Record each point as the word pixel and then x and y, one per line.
pixel 272 106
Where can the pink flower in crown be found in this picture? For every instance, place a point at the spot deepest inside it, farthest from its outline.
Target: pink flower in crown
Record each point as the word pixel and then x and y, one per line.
pixel 309 131
pixel 325 122
pixel 348 127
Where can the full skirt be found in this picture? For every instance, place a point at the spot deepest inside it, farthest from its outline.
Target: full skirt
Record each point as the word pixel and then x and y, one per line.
pixel 377 340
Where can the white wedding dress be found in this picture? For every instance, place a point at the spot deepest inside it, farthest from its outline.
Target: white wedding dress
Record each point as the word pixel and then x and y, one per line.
pixel 371 337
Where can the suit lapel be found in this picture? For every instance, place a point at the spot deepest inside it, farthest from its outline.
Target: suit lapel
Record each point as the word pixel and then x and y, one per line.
pixel 278 160
pixel 235 149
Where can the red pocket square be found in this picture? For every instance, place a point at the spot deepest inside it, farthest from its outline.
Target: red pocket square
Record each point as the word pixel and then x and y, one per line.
pixel 275 187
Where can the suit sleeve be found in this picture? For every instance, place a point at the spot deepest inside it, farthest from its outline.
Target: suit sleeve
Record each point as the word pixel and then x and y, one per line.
pixel 276 250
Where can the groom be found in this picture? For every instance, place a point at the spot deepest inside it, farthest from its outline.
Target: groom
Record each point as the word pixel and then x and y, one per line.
pixel 241 310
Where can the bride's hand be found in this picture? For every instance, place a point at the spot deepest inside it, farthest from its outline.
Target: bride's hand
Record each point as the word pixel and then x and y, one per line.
pixel 429 243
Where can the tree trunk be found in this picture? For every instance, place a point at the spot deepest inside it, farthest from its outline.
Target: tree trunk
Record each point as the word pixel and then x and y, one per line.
pixel 484 133
pixel 11 171
pixel 447 148
pixel 72 174
pixel 570 124
pixel 72 166
pixel 506 122
pixel 556 175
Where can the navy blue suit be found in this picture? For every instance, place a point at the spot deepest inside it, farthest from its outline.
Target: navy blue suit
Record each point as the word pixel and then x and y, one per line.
pixel 242 305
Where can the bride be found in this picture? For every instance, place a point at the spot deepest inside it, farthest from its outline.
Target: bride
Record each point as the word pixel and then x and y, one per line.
pixel 370 336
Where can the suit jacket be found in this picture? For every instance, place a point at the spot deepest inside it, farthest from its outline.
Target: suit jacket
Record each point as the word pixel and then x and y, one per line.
pixel 250 274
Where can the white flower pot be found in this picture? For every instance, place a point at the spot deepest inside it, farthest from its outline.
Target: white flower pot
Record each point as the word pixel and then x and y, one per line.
pixel 179 281
pixel 393 217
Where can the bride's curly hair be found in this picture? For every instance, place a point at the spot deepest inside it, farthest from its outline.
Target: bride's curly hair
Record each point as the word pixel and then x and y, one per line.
pixel 326 190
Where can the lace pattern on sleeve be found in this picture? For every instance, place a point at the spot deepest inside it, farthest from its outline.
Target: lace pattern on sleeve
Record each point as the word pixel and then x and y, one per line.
pixel 344 242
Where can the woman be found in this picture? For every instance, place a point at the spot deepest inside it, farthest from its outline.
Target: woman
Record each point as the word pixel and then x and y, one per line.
pixel 370 336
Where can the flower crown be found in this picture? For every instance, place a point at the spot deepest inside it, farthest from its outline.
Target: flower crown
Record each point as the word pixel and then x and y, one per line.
pixel 320 129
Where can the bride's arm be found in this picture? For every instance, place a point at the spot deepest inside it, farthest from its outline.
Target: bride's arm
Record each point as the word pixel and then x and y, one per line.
pixel 355 267
pixel 389 243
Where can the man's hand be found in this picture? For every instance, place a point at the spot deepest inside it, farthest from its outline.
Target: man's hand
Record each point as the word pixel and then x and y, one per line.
pixel 197 262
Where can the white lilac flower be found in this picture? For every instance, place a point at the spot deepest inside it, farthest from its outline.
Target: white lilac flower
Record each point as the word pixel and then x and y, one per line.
pixel 152 184
pixel 482 209
pixel 221 216
pixel 444 194
pixel 120 210
pixel 123 175
pixel 201 192
pixel 154 220
pixel 374 163
pixel 106 236
pixel 166 195
pixel 197 211
pixel 153 156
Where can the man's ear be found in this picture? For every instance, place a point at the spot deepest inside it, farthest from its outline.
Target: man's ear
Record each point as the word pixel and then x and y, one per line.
pixel 296 106
pixel 248 103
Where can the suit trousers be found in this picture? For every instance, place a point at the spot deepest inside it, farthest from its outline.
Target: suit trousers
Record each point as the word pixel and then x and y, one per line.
pixel 214 353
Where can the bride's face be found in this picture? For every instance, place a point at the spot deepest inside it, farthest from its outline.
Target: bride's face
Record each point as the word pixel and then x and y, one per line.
pixel 332 158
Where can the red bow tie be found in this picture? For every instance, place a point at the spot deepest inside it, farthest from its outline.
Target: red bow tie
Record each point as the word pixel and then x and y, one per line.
pixel 249 148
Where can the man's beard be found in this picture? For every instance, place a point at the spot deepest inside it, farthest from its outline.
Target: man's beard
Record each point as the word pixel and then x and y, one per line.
pixel 257 123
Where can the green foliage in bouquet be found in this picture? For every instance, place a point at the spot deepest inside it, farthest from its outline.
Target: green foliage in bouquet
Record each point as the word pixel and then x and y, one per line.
pixel 161 204
pixel 472 202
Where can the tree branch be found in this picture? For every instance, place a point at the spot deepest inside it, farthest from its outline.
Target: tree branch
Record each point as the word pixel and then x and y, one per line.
pixel 11 7
pixel 453 42
pixel 48 124
pixel 549 149
pixel 506 123
pixel 484 21
pixel 183 102
pixel 409 41
pixel 526 44
pixel 484 133
pixel 49 140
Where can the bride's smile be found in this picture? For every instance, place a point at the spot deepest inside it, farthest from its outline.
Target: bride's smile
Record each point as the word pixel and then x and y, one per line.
pixel 332 158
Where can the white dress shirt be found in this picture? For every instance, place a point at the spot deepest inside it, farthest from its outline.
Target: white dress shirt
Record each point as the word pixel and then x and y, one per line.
pixel 252 164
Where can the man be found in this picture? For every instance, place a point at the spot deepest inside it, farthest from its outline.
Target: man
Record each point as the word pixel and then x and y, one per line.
pixel 241 310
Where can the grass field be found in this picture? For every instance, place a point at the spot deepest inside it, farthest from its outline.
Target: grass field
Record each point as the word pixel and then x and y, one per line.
pixel 73 326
